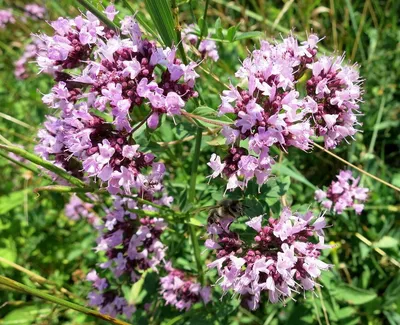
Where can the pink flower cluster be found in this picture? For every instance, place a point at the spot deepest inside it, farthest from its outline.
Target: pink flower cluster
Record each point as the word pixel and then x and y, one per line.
pixel 343 193
pixel 180 291
pixel 31 50
pixel 6 17
pixel 115 77
pixel 207 47
pixel 282 258
pixel 268 110
pixel 77 209
pixel 34 11
pixel 110 301
pixel 132 245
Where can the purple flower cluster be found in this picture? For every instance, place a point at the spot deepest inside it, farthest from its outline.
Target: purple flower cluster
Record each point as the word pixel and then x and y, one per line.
pixel 31 51
pixel 281 260
pixel 114 77
pixel 268 110
pixel 34 11
pixel 207 47
pixel 180 291
pixel 6 17
pixel 132 245
pixel 343 193
pixel 109 300
pixel 77 209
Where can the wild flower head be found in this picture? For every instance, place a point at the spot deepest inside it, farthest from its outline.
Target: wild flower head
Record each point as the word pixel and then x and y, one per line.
pixel 106 83
pixel 282 259
pixel 267 107
pixel 343 193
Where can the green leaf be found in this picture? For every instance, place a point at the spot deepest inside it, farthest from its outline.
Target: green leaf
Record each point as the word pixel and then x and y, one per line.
pixel 135 295
pixel 346 312
pixel 160 12
pixel 193 221
pixel 218 29
pixel 210 114
pixel 387 242
pixel 274 189
pixel 246 35
pixel 392 293
pixel 8 251
pixel 203 27
pixel 230 35
pixel 11 201
pixel 27 315
pixel 293 173
pixel 353 295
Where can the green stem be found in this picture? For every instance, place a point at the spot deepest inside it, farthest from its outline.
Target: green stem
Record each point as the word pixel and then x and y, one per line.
pixel 31 168
pixel 64 189
pixel 191 199
pixel 175 13
pixel 374 135
pixel 203 28
pixel 9 283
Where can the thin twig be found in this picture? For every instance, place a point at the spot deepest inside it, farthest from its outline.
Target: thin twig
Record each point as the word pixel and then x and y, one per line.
pixel 200 118
pixel 16 121
pixel 357 168
pixel 36 277
pixel 9 283
pixel 377 249
pixel 323 306
pixel 213 76
pixel 189 138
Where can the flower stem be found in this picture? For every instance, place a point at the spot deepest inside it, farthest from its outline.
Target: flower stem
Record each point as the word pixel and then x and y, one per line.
pixel 11 284
pixel 175 13
pixel 203 28
pixel 357 168
pixel 191 199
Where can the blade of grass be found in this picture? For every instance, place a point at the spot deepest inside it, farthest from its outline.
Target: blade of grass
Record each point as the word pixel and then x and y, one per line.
pixel 359 31
pixel 63 189
pixel 377 249
pixel 354 25
pixel 334 28
pixel 191 199
pixel 31 168
pixel 161 15
pixel 36 277
pixel 16 121
pixel 45 164
pixel 203 27
pixel 282 13
pixel 260 18
pixel 374 134
pixel 9 283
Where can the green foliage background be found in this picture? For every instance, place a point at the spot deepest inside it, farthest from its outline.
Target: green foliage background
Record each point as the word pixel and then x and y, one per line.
pixel 363 287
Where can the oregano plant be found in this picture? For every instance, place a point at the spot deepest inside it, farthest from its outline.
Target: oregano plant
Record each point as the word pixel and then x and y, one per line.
pixel 189 199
